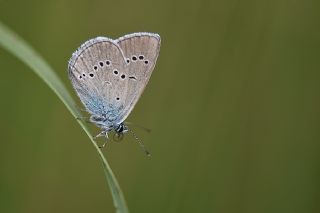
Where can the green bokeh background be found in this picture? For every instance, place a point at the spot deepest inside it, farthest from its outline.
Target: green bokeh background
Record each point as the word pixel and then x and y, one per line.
pixel 233 105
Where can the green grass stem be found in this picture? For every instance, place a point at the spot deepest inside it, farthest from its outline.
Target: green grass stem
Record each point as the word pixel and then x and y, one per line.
pixel 20 49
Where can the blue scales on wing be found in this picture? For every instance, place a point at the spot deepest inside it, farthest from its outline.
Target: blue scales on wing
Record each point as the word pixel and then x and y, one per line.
pixel 95 70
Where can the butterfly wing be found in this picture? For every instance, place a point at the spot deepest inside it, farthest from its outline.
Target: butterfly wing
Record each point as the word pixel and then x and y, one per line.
pixel 95 72
pixel 141 51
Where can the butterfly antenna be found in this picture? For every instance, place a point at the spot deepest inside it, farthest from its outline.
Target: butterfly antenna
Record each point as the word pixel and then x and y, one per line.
pixel 137 125
pixel 140 143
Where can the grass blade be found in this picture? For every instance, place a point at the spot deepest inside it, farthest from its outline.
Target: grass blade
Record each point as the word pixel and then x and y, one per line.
pixel 20 49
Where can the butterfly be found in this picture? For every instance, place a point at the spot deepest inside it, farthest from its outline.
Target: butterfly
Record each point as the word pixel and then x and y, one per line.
pixel 109 77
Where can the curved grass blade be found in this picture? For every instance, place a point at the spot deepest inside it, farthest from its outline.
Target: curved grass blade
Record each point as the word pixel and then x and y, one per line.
pixel 20 49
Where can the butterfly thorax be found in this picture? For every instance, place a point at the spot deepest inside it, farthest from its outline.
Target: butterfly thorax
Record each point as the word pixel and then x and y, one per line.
pixel 106 125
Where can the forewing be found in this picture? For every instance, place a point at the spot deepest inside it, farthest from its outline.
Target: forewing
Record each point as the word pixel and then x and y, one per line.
pixel 95 72
pixel 141 51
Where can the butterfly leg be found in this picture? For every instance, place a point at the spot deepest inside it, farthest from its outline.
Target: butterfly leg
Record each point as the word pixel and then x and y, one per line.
pixel 101 134
pixel 80 109
pixel 105 143
pixel 85 119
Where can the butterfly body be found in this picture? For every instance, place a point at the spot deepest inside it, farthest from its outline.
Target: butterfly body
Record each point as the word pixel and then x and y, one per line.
pixel 110 75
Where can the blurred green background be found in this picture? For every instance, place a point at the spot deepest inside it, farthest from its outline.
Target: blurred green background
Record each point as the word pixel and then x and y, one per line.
pixel 233 105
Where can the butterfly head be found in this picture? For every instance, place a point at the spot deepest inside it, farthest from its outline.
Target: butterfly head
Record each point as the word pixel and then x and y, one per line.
pixel 119 129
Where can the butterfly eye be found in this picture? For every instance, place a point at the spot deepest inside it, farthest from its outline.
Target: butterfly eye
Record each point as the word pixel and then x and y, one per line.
pixel 128 60
pixel 117 98
pixel 91 75
pixel 95 67
pixel 108 63
pixel 141 57
pixel 134 58
pixel 115 72
pixel 146 62
pixel 101 64
pixel 123 76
